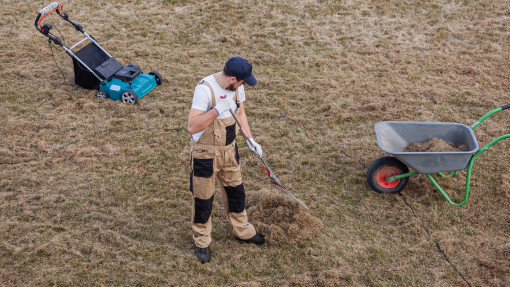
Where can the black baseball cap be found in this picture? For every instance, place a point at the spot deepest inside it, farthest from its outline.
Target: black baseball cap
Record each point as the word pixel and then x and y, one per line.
pixel 241 69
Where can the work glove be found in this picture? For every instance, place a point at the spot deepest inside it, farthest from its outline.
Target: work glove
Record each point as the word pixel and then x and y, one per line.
pixel 255 148
pixel 224 105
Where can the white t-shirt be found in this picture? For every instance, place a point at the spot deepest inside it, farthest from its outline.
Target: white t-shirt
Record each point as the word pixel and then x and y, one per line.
pixel 202 99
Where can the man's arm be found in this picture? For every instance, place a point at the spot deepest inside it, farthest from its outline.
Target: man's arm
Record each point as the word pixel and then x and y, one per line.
pixel 241 115
pixel 199 120
pixel 252 144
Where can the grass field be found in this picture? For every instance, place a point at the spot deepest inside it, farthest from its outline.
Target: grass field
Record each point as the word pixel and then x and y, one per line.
pixel 95 193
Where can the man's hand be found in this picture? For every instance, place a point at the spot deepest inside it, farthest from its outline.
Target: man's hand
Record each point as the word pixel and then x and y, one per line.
pixel 255 148
pixel 224 105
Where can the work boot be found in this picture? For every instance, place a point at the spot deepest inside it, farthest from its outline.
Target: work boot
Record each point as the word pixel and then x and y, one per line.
pixel 203 254
pixel 258 239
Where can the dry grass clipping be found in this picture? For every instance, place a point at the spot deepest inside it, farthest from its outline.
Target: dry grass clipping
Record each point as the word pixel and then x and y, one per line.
pixel 435 145
pixel 85 207
pixel 280 219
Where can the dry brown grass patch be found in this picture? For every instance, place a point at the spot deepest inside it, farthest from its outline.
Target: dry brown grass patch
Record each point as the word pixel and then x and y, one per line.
pixel 99 194
pixel 281 219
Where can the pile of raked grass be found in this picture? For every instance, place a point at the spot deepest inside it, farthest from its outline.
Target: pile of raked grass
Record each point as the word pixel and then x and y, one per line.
pixel 280 219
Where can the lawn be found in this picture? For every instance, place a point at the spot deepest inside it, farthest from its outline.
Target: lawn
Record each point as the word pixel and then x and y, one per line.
pixel 95 192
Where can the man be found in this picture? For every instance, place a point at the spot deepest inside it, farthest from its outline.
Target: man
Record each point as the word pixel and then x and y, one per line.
pixel 214 153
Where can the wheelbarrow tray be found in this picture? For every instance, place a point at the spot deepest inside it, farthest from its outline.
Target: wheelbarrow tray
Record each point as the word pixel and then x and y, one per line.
pixel 394 136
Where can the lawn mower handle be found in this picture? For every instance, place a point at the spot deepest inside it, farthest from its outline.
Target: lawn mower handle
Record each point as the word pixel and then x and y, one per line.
pixel 64 16
pixel 48 8
pixel 45 29
pixel 44 11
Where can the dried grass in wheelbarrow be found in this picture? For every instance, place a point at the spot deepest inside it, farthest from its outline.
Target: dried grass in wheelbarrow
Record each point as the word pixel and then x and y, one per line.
pixel 435 145
pixel 280 219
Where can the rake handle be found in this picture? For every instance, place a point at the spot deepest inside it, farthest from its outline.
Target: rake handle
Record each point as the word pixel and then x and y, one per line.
pixel 241 127
pixel 271 175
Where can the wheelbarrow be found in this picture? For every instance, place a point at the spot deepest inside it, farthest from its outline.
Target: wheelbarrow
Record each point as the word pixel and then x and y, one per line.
pixel 390 174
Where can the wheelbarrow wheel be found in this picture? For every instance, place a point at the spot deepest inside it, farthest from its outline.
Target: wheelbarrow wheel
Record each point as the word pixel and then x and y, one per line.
pixel 383 168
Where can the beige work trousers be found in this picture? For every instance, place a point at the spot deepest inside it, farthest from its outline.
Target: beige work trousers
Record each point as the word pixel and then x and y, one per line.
pixel 221 162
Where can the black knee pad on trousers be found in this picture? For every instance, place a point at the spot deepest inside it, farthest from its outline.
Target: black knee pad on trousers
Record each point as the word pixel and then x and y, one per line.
pixel 203 167
pixel 203 208
pixel 236 197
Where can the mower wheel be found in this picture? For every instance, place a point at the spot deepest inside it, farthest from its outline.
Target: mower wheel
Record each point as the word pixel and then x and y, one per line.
pixel 102 95
pixel 129 97
pixel 157 76
pixel 383 168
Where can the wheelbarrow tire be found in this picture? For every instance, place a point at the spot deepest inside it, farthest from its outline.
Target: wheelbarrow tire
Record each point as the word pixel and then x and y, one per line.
pixel 385 167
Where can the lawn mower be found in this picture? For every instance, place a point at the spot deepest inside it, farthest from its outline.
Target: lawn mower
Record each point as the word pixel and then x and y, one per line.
pixel 95 69
pixel 390 174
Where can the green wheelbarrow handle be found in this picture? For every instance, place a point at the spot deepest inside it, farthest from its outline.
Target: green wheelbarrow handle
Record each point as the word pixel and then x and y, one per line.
pixel 470 165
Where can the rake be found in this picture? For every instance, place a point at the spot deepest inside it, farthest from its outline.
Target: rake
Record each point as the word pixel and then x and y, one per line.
pixel 270 173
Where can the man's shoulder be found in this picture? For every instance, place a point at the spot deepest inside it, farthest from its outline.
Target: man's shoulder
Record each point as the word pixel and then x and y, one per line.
pixel 205 85
pixel 207 79
pixel 202 84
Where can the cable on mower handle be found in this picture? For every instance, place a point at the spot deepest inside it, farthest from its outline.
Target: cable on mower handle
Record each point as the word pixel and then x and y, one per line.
pixel 45 29
pixel 45 11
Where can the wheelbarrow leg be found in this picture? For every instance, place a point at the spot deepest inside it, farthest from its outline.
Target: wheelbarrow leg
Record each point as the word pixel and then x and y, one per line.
pixel 468 176
pixel 466 193
pixel 400 176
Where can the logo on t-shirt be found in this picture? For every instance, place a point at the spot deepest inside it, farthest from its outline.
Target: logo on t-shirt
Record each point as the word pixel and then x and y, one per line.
pixel 223 97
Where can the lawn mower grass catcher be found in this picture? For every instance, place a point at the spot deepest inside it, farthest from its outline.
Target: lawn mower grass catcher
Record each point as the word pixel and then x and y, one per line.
pixel 390 174
pixel 95 69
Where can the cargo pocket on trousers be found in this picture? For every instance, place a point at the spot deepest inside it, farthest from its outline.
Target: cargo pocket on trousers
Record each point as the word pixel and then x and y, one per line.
pixel 203 167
